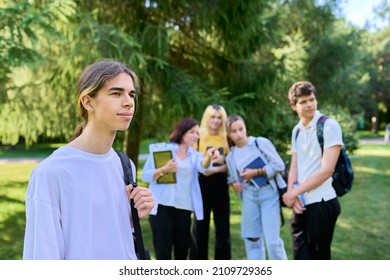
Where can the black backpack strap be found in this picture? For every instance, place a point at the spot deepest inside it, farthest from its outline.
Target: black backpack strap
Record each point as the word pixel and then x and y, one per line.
pixel 127 170
pixel 296 134
pixel 320 131
pixel 129 179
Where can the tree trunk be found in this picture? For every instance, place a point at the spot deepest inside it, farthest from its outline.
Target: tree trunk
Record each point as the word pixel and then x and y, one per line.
pixel 132 141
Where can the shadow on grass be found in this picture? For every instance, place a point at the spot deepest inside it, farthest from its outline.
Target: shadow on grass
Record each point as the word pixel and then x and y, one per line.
pixel 362 228
pixel 12 236
pixel 12 192
pixel 13 220
pixel 4 198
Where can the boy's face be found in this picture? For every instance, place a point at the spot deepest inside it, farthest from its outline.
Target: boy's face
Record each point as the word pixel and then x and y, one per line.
pixel 306 106
pixel 113 106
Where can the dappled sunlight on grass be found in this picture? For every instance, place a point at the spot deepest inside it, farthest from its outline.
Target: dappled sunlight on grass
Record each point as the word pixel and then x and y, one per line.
pixel 370 170
pixel 374 150
pixel 379 153
pixel 343 223
pixel 361 230
pixel 12 217
pixel 16 170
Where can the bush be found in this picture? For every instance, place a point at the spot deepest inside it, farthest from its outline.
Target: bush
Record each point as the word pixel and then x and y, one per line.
pixel 348 125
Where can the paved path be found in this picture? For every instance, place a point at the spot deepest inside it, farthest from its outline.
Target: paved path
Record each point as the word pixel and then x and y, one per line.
pixel 26 160
pixel 144 156
pixel 380 140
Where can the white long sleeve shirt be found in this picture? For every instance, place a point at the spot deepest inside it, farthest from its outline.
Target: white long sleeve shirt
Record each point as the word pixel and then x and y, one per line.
pixel 77 208
pixel 187 189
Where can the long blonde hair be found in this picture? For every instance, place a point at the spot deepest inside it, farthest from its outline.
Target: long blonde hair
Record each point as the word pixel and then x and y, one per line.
pixel 208 113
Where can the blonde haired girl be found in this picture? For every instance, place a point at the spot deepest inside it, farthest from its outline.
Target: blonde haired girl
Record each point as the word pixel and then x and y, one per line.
pixel 214 188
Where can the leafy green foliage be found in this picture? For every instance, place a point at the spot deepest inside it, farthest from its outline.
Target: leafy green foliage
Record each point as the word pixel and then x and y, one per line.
pixel 243 55
pixel 347 123
pixel 41 97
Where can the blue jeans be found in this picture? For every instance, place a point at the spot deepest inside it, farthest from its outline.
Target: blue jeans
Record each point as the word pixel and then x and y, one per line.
pixel 260 223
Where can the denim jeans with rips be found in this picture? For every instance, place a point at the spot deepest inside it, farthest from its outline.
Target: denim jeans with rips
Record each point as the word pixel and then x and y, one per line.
pixel 260 223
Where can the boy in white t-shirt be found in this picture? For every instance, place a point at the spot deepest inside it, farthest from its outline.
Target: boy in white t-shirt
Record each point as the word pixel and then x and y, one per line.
pixel 313 219
pixel 77 202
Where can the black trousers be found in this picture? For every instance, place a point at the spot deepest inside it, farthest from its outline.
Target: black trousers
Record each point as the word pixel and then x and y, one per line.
pixel 312 231
pixel 171 229
pixel 215 195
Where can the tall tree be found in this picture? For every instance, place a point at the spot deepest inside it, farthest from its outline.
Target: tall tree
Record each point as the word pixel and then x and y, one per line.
pixel 21 28
pixel 197 53
pixel 188 54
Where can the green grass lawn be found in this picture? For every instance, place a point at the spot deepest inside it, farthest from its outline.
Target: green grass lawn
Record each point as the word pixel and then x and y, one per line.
pixel 361 231
pixel 369 134
pixel 35 151
pixel 43 150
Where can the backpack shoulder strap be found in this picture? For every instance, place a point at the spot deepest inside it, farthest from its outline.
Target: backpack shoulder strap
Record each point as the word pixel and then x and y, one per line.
pixel 297 133
pixel 261 151
pixel 257 145
pixel 129 179
pixel 320 131
pixel 127 170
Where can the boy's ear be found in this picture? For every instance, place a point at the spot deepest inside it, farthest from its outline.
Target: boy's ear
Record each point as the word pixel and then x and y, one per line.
pixel 86 100
pixel 293 107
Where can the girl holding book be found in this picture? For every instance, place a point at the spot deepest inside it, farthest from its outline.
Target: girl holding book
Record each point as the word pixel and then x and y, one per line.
pixel 170 219
pixel 254 167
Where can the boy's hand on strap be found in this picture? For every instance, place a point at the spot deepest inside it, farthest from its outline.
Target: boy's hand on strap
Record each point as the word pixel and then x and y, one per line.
pixel 143 199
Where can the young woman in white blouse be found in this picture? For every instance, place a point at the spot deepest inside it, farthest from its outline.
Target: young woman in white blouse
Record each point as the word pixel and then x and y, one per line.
pixel 170 220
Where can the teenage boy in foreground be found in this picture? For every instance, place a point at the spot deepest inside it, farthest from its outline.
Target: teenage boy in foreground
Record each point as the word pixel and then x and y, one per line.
pixel 316 209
